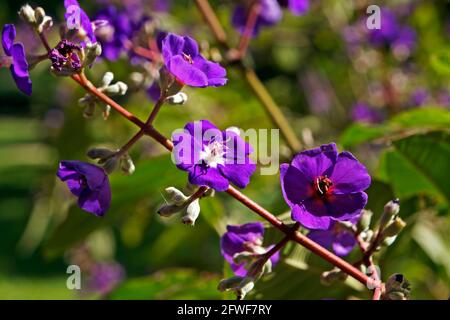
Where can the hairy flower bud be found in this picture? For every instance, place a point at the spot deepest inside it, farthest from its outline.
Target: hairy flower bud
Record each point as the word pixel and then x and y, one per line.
pixel 391 209
pixel 167 210
pixel 229 284
pixel 127 165
pixel 364 221
pixel 91 52
pixel 108 77
pixel 177 99
pixel 176 196
pixel 110 165
pixel 394 228
pixel 246 285
pixel 192 213
pixel 397 287
pixel 100 153
pixel 26 12
pixel 244 257
pixel 335 274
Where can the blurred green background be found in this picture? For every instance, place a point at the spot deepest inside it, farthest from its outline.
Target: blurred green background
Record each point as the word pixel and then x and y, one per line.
pixel 302 61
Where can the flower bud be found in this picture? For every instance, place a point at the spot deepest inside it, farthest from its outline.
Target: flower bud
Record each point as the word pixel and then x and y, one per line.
pixel 119 88
pixel 246 285
pixel 167 210
pixel 89 110
pixel 107 79
pixel 236 130
pixel 394 228
pixel 91 52
pixel 397 287
pixel 177 99
pixel 192 213
pixel 243 257
pixel 335 274
pixel 389 240
pixel 26 12
pixel 364 221
pixel 391 209
pixel 176 196
pixel 39 14
pixel 210 192
pixel 46 24
pixel 127 165
pixel 106 111
pixel 110 165
pixel 100 153
pixel 229 284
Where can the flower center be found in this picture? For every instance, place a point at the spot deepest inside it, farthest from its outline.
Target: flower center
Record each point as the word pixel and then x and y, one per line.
pixel 5 61
pixel 322 185
pixel 64 55
pixel 213 154
pixel 187 58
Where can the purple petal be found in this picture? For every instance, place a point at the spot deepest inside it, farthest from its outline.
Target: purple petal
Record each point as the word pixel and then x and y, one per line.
pixel 346 206
pixel 210 177
pixel 203 130
pixel 349 175
pixel 75 186
pixel 186 73
pixel 249 231
pixel 96 202
pixel 214 72
pixel 8 36
pixel 94 175
pixel 296 187
pixel 310 219
pixel 238 174
pixel 190 46
pixel 323 237
pixel 316 162
pixel 172 45
pixel 344 242
pixel 19 69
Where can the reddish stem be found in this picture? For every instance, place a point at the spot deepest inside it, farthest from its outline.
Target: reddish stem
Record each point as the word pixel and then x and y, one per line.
pixel 368 261
pixel 295 236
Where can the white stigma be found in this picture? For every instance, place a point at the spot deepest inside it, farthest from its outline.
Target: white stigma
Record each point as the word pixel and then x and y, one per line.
pixel 213 155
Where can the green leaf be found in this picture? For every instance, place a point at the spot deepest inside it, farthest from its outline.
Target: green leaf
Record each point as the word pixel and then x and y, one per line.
pixel 359 133
pixel 440 62
pixel 417 165
pixel 170 284
pixel 425 118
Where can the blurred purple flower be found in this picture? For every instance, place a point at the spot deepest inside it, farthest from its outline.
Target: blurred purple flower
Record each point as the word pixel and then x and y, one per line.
pixel 122 27
pixel 244 238
pixel 104 277
pixel 270 14
pixel 361 112
pixel 65 55
pixel 341 240
pixel 444 98
pixel 389 29
pixel 420 97
pixel 89 183
pixel 212 157
pixel 297 7
pixel 73 9
pixel 183 60
pixel 321 185
pixel 154 91
pixel 16 59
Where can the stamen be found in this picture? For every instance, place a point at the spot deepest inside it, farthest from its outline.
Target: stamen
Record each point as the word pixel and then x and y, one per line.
pixel 187 57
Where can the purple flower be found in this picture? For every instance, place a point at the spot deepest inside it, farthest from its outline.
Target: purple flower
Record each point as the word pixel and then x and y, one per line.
pixel 105 277
pixel 270 13
pixel 154 91
pixel 420 97
pixel 321 185
pixel 341 240
pixel 244 238
pixel 297 7
pixel 212 157
pixel 64 55
pixel 73 11
pixel 389 30
pixel 406 40
pixel 361 112
pixel 15 59
pixel 122 27
pixel 89 183
pixel 182 60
